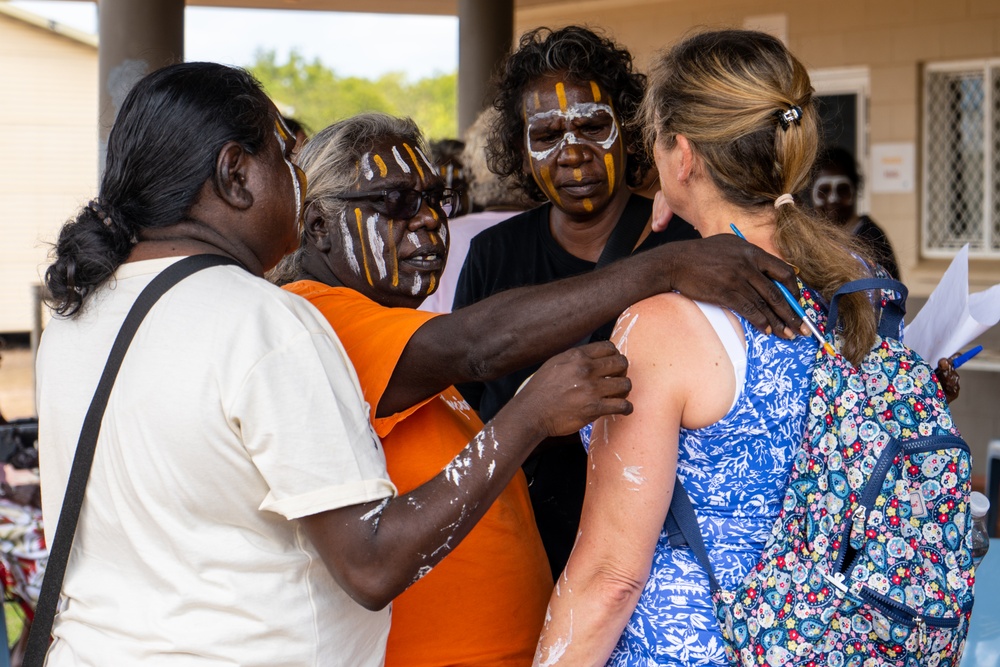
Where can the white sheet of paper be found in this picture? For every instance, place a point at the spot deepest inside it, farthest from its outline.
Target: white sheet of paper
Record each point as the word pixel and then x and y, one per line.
pixel 952 318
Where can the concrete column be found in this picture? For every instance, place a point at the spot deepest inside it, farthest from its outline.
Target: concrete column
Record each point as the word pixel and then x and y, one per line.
pixel 135 38
pixel 485 31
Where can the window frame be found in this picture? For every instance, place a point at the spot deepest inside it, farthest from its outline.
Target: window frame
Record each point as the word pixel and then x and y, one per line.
pixel 987 68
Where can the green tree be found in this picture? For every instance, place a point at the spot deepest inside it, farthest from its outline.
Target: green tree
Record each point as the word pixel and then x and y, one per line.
pixel 316 96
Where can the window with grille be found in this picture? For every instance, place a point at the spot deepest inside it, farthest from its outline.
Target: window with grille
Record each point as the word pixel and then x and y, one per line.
pixel 961 159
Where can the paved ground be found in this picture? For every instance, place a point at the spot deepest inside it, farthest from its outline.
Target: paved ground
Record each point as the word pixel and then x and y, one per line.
pixel 17 391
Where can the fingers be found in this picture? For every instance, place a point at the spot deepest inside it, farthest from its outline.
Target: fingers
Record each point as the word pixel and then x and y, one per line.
pixel 777 310
pixel 770 312
pixel 611 406
pixel 661 212
pixel 604 358
pixel 734 274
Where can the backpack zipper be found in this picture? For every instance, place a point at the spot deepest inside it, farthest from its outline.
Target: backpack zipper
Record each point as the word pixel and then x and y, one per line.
pixel 875 480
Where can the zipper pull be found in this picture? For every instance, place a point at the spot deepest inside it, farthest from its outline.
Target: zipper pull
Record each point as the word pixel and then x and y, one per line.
pixel 837 581
pixel 921 632
pixel 858 520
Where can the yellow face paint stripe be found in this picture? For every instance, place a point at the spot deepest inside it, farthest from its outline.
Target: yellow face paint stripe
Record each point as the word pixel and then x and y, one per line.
pixel 578 174
pixel 596 91
pixel 361 239
pixel 547 180
pixel 609 164
pixel 431 284
pixel 588 205
pixel 382 169
pixel 561 94
pixel 395 257
pixel 416 163
pixel 538 103
pixel 434 214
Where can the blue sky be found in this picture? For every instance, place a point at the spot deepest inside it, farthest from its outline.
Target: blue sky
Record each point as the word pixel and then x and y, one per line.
pixel 365 45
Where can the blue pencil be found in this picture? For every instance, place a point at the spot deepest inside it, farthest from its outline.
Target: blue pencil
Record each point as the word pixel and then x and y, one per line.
pixel 794 303
pixel 962 358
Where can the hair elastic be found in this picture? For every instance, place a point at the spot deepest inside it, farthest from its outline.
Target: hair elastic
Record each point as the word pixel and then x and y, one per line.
pixel 784 199
pixel 99 211
pixel 792 115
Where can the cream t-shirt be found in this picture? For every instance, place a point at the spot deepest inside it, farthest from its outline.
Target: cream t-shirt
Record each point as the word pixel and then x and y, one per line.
pixel 235 411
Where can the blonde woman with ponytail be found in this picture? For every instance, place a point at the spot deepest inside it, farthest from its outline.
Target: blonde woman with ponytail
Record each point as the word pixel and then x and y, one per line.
pixel 732 124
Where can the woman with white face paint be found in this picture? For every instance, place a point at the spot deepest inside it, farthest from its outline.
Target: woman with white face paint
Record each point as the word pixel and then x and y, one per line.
pixel 834 193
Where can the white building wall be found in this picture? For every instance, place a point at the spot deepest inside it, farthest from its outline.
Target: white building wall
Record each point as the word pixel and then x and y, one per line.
pixel 48 152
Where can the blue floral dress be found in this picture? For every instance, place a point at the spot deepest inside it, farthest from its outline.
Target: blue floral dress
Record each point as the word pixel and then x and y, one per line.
pixel 735 472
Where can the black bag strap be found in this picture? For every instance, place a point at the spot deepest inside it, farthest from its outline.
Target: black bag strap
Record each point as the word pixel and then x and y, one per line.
pixel 620 244
pixel 62 542
pixel 626 233
pixel 683 530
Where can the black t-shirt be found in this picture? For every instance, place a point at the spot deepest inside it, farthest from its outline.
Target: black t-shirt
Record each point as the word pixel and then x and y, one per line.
pixel 518 252
pixel 521 251
pixel 879 244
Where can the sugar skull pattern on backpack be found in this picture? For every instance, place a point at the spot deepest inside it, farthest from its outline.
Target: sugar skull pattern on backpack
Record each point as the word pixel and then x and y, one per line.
pixel 869 561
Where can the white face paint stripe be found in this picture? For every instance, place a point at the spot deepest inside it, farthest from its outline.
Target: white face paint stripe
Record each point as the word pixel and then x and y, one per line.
pixel 430 166
pixel 412 238
pixel 366 167
pixel 376 244
pixel 579 110
pixel 443 230
pixel 345 235
pixel 417 284
pixel 399 160
pixel 295 178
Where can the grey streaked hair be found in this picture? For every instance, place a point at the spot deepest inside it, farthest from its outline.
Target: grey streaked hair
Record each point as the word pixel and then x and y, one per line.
pixel 332 162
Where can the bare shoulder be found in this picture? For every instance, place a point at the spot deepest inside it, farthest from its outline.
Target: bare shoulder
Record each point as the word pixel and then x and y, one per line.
pixel 659 320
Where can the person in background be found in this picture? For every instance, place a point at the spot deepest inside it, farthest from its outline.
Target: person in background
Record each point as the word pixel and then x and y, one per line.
pixel 718 404
pixel 493 200
pixel 448 155
pixel 566 101
pixel 834 192
pixel 239 511
pixel 373 244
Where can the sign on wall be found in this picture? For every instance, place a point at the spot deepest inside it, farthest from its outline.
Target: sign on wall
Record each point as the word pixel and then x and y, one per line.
pixel 892 168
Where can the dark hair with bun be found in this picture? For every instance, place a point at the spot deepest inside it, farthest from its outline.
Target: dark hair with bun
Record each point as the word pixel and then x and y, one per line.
pixel 163 147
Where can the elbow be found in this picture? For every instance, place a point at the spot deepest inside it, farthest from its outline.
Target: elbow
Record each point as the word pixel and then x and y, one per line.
pixel 617 591
pixel 373 590
pixel 492 356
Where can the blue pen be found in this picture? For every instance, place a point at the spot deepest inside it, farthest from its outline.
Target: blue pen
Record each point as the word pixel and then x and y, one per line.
pixel 961 359
pixel 794 303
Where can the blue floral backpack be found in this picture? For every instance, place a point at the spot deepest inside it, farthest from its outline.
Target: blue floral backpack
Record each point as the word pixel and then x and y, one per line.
pixel 869 561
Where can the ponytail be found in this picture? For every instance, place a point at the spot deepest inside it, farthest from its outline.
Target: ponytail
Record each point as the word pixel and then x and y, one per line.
pixel 746 105
pixel 89 250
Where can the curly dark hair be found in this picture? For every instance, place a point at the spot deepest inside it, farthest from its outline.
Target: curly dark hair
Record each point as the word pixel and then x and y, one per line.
pixel 583 56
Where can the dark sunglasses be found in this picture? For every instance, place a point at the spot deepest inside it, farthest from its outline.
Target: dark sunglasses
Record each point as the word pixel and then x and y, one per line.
pixel 403 204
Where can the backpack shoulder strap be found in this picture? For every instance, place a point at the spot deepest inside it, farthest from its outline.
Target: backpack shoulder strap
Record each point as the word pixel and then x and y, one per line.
pixel 892 298
pixel 682 529
pixel 69 515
